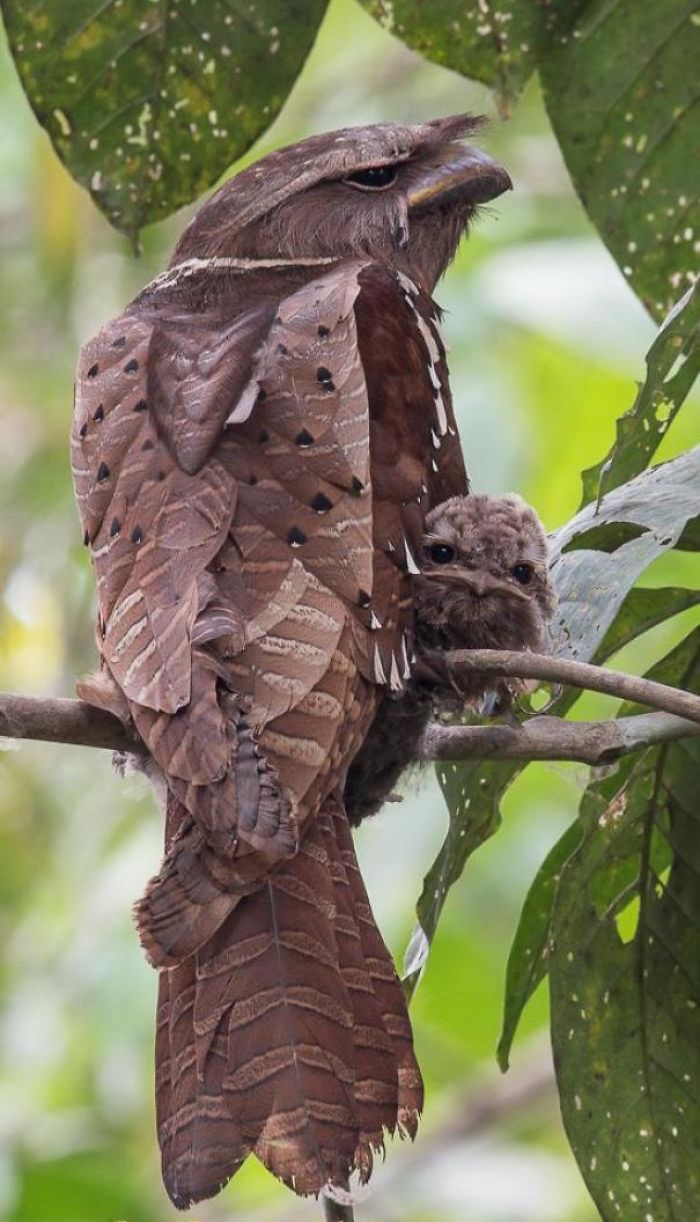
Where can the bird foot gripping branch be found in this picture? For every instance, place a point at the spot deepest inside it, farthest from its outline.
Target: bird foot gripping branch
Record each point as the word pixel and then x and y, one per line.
pixel 258 442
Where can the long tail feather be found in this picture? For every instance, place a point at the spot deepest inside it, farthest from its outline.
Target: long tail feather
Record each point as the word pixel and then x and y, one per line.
pixel 298 1045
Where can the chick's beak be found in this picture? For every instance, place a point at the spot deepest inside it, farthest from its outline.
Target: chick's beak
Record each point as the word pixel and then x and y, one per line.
pixel 470 173
pixel 480 582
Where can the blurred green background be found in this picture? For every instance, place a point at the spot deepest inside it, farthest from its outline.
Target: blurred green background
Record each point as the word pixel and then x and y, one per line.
pixel 546 341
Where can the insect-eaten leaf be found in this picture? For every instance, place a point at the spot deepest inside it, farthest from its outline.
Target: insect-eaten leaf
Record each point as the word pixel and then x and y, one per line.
pixel 673 365
pixel 147 104
pixel 620 88
pixel 625 978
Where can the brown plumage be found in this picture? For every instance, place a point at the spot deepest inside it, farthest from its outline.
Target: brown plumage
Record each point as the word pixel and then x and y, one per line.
pixel 257 441
pixel 483 584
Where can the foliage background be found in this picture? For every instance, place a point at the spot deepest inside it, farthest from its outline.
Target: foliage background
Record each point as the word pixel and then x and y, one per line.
pixel 546 341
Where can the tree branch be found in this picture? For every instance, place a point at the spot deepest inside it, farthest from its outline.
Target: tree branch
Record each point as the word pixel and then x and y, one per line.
pixel 541 738
pixel 551 738
pixel 74 722
pixel 565 671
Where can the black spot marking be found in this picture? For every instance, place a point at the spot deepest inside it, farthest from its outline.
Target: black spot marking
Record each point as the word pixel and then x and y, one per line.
pixel 262 394
pixel 120 342
pixel 102 473
pixel 325 377
pixel 99 413
pixel 363 598
pixel 86 538
pixel 83 429
pixel 93 371
pixel 252 480
pixel 263 436
pixel 296 537
pixel 115 527
pixel 140 406
pixel 161 476
pixel 321 503
pixel 324 331
pixel 131 366
pixel 304 438
pixel 283 351
pixel 148 444
pixel 137 535
pixel 356 487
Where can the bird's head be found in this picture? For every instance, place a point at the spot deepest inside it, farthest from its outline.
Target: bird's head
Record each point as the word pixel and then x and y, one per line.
pixel 484 579
pixel 401 195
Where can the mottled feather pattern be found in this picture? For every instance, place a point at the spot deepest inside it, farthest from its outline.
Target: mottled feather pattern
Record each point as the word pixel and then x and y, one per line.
pixel 257 442
pixel 294 594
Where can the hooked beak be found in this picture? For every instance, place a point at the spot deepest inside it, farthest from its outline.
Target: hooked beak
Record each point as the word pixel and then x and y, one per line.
pixel 471 174
pixel 479 582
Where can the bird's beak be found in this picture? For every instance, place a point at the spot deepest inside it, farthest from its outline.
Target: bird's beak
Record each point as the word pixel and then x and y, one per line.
pixel 479 582
pixel 470 174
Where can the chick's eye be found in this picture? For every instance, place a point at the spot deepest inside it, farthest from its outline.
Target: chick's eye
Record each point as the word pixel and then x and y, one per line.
pixel 441 553
pixel 375 178
pixel 522 573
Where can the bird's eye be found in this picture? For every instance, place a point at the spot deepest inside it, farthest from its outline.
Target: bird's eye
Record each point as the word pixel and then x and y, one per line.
pixel 374 178
pixel 441 553
pixel 522 573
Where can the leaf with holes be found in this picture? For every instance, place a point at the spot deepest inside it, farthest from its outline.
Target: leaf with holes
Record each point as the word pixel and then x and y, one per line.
pixel 621 92
pixel 625 979
pixel 673 364
pixel 147 104
pixel 492 41
pixel 528 959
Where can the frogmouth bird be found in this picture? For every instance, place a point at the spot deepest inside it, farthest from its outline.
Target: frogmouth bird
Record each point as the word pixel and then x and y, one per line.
pixel 257 441
pixel 483 583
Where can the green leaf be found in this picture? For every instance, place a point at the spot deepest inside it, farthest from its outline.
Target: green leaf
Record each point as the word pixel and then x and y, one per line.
pixel 673 364
pixel 625 979
pixel 644 609
pixel 621 92
pixel 473 792
pixel 527 961
pixel 147 104
pixel 491 43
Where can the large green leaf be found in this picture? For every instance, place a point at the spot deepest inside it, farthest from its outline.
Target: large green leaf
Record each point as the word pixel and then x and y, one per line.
pixel 529 955
pixel 492 43
pixel 673 364
pixel 497 43
pixel 625 979
pixel 148 103
pixel 621 90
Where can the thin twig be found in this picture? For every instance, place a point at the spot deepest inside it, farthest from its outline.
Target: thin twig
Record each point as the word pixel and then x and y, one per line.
pixel 574 674
pixel 334 1212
